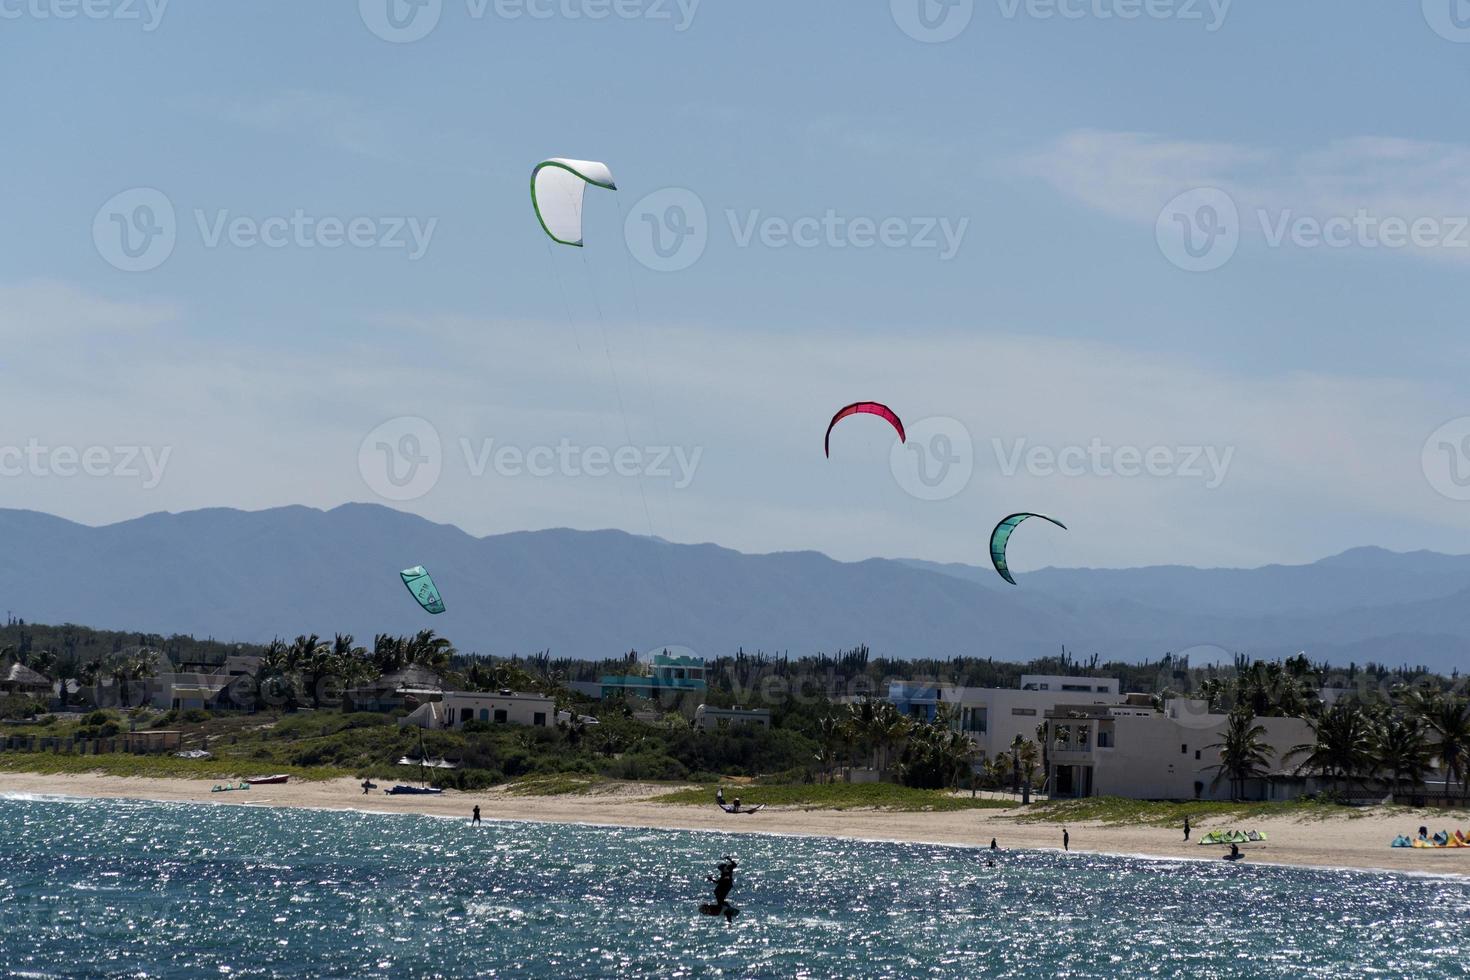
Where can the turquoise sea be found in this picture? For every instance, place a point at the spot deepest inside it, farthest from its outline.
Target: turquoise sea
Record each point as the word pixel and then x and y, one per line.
pixel 91 888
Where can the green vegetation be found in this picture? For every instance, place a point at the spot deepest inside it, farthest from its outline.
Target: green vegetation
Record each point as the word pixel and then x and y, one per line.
pixel 164 766
pixel 839 796
pixel 1393 732
pixel 558 785
pixel 1115 810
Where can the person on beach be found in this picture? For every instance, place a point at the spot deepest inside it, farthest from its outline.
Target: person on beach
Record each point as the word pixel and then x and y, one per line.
pixel 734 807
pixel 1186 828
pixel 993 845
pixel 1066 840
pixel 476 818
pixel 366 785
pixel 1234 854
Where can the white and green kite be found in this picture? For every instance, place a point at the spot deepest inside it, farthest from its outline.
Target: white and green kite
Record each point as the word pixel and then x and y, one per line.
pixel 557 188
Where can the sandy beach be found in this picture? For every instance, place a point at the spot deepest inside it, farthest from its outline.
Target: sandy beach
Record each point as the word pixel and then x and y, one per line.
pixel 1358 839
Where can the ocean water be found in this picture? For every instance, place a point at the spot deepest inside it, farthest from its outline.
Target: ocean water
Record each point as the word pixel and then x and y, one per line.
pixel 92 888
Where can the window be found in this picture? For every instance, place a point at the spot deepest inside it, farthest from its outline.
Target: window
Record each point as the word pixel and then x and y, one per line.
pixel 1104 740
pixel 484 714
pixel 1076 687
pixel 1196 754
pixel 1184 750
pixel 465 714
pixel 500 716
pixel 1046 687
pixel 539 719
pixel 1025 712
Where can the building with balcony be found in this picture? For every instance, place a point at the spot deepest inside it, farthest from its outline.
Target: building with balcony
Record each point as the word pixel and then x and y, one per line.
pixel 668 675
pixel 993 717
pixel 1137 751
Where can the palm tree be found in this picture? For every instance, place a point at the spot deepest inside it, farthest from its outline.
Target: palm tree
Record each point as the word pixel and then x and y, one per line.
pixel 1016 744
pixel 430 651
pixel 1028 756
pixel 862 727
pixel 1343 746
pixel 830 735
pixel 389 653
pixel 1449 720
pixel 1403 751
pixel 1244 753
pixel 273 678
pixel 890 728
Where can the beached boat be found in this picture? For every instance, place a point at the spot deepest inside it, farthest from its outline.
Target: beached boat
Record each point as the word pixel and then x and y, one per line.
pixel 267 780
pixel 402 790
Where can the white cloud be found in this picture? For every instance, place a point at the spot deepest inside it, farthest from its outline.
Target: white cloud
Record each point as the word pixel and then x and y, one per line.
pixel 1134 175
pixel 35 311
pixel 1320 462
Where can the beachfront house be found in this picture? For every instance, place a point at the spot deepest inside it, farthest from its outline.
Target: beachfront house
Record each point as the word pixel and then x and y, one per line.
pixel 993 717
pixel 669 675
pixel 497 708
pixel 1141 752
pixel 709 718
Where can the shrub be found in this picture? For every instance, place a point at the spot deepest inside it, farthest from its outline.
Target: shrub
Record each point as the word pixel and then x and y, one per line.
pixel 195 716
pixel 647 766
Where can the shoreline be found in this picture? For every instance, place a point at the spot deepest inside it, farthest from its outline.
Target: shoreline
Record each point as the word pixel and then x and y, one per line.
pixel 1357 841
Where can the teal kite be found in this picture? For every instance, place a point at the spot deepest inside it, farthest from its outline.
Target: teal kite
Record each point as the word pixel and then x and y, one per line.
pixel 423 589
pixel 1002 534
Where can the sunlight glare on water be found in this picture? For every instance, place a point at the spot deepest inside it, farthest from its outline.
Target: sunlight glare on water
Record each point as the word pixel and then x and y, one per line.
pixel 113 888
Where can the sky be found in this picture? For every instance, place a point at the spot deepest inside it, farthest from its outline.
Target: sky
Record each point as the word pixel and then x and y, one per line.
pixel 1188 275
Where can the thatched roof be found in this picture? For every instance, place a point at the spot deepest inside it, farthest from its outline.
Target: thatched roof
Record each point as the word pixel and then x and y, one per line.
pixel 19 675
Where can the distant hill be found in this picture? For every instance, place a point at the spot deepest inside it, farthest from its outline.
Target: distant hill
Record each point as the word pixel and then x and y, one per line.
pixel 250 576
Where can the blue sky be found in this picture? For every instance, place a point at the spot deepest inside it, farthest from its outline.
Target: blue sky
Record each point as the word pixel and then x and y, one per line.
pixel 1294 400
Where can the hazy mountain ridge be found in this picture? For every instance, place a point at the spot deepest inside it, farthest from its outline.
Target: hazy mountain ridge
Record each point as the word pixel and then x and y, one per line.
pixel 253 575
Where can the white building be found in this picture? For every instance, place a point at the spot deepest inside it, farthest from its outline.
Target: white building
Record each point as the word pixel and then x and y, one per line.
pixel 499 708
pixel 993 717
pixel 1136 751
pixel 708 718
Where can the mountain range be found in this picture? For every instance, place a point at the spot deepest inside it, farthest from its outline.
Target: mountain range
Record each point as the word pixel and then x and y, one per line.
pixel 251 576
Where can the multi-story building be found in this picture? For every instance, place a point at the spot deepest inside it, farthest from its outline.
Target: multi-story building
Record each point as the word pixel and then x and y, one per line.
pixel 1141 752
pixel 668 675
pixel 993 717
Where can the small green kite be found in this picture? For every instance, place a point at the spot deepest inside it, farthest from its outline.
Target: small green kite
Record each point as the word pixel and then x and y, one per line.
pixel 423 589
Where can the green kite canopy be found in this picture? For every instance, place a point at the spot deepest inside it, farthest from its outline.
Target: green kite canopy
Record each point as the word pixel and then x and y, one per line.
pixel 423 589
pixel 1002 535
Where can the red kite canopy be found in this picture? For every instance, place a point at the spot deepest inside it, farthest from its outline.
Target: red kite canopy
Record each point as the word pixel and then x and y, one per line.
pixel 863 408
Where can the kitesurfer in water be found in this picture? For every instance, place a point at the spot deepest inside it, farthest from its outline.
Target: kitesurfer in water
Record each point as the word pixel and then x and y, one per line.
pixel 723 885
